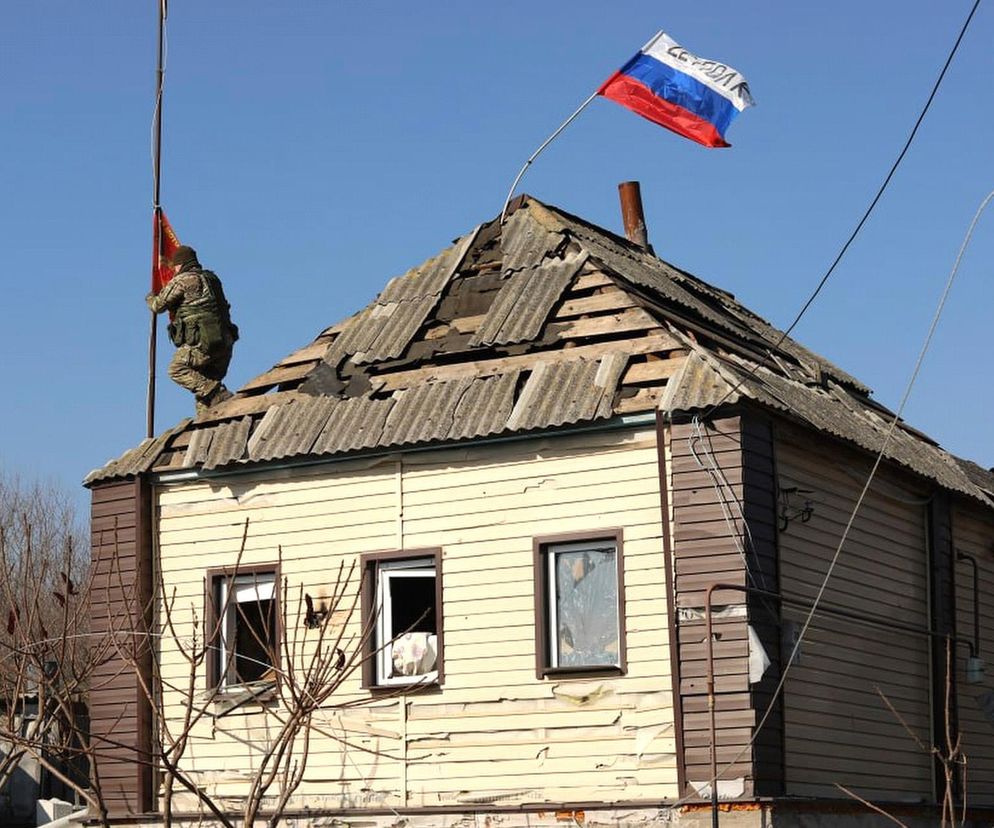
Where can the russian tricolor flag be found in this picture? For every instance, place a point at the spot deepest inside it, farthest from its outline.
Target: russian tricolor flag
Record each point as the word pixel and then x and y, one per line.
pixel 694 97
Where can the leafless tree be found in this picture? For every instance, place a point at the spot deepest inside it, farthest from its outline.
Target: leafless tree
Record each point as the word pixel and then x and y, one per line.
pixel 306 653
pixel 947 751
pixel 47 655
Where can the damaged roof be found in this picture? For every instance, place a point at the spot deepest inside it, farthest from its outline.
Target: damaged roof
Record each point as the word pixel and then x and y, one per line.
pixel 543 322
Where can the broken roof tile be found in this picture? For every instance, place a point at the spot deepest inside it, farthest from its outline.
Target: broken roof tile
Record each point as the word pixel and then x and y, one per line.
pixel 228 442
pixel 353 424
pixel 567 392
pixel 385 328
pixel 136 460
pixel 697 386
pixel 525 242
pixel 196 452
pixel 485 406
pixel 290 429
pixel 524 302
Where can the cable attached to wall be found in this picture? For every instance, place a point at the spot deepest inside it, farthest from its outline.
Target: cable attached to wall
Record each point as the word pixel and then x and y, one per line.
pixel 789 661
pixel 725 494
pixel 866 214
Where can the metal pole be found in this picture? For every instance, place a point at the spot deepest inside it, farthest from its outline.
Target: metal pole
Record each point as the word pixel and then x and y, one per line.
pixel 963 556
pixel 545 143
pixel 709 635
pixel 562 126
pixel 709 655
pixel 156 210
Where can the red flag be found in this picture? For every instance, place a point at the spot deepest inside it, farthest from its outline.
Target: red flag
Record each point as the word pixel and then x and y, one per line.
pixel 164 244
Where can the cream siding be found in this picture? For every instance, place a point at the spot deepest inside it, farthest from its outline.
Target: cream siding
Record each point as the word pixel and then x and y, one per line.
pixel 837 729
pixel 974 535
pixel 494 733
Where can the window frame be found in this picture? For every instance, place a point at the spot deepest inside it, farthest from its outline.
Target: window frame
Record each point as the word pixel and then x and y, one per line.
pixel 371 564
pixel 541 548
pixel 213 579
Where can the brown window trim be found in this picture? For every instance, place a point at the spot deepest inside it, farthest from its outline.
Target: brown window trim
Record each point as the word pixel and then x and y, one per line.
pixel 368 562
pixel 539 546
pixel 211 613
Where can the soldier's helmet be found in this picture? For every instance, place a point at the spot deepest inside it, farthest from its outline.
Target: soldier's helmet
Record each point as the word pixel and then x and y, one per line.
pixel 184 255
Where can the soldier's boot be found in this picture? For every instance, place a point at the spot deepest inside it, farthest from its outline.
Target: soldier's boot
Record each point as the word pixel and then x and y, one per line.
pixel 220 394
pixel 217 394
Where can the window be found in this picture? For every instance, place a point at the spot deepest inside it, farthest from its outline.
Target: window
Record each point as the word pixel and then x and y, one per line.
pixel 402 602
pixel 246 647
pixel 579 600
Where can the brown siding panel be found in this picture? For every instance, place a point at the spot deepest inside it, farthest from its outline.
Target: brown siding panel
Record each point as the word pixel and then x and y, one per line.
pixel 119 712
pixel 838 730
pixel 973 534
pixel 759 506
pixel 710 479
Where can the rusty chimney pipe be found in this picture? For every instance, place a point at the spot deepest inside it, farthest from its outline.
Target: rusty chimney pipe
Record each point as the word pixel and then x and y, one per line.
pixel 632 214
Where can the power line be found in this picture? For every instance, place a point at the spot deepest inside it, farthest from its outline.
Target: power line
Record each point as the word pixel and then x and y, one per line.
pixel 866 214
pixel 789 661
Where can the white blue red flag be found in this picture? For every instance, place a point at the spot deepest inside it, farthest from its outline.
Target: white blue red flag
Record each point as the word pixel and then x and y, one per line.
pixel 692 96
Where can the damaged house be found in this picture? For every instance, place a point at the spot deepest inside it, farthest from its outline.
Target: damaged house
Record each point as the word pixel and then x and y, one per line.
pixel 542 455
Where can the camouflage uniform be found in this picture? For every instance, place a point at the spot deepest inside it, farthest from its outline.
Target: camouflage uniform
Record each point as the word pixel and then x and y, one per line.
pixel 202 331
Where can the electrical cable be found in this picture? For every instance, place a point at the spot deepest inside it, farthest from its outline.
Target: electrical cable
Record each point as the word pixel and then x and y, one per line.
pixel 720 485
pixel 789 661
pixel 726 494
pixel 866 215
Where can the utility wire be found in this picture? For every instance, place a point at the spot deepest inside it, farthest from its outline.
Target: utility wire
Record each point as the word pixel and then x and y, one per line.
pixel 862 496
pixel 866 215
pixel 726 495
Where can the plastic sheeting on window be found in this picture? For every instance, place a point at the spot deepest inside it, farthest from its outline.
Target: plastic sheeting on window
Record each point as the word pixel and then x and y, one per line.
pixel 586 608
pixel 759 661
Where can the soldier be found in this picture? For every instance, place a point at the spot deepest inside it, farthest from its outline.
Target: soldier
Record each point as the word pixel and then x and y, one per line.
pixel 201 328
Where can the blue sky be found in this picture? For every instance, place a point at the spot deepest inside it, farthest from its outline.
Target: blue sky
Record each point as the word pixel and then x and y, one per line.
pixel 314 149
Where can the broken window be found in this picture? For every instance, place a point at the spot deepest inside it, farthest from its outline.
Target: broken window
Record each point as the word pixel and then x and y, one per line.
pixel 246 646
pixel 582 626
pixel 402 605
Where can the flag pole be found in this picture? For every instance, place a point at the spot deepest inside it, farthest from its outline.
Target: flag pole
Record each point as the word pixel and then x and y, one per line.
pixel 156 218
pixel 545 143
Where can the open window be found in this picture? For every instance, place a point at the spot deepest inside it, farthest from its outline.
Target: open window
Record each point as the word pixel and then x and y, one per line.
pixel 579 605
pixel 402 612
pixel 246 647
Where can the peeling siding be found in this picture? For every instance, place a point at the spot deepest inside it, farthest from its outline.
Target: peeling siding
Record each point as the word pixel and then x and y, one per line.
pixel 494 734
pixel 837 728
pixel 973 533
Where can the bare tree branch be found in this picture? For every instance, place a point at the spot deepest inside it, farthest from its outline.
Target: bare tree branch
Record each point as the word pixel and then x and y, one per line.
pixel 869 804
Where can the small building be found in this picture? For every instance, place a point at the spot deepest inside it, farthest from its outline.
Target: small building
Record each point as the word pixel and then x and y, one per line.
pixel 30 787
pixel 545 451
